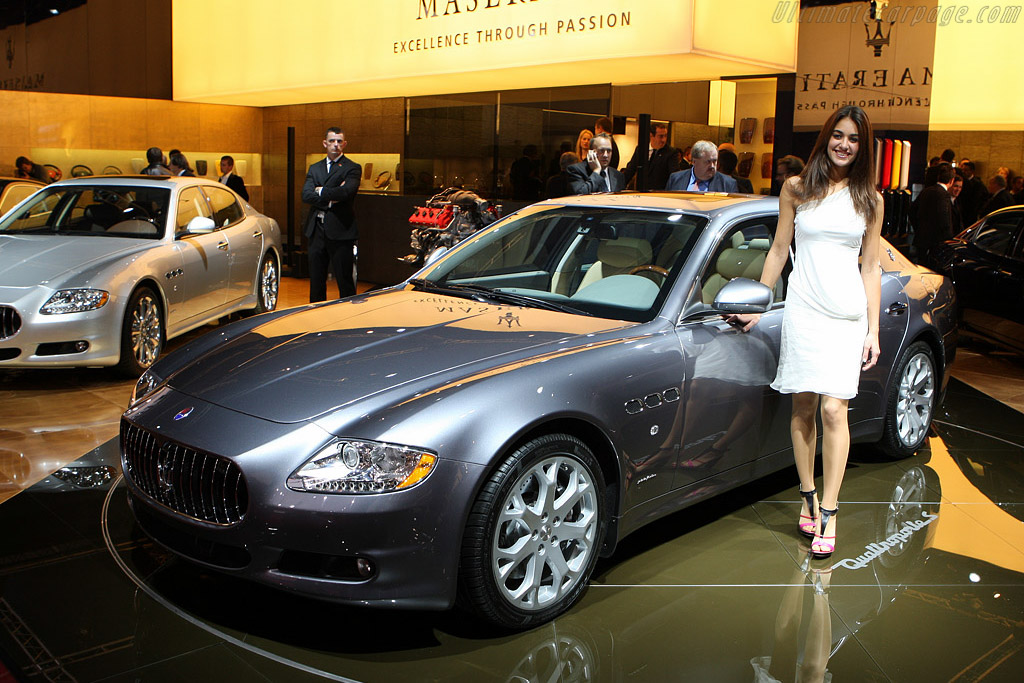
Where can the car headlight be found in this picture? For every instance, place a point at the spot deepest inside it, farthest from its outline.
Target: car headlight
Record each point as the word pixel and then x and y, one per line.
pixel 144 387
pixel 351 466
pixel 75 301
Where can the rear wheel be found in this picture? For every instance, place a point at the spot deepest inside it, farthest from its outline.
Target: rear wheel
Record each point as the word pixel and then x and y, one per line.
pixel 534 533
pixel 911 402
pixel 267 285
pixel 142 333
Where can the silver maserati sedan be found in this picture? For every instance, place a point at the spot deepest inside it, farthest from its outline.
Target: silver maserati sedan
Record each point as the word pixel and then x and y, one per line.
pixel 482 432
pixel 102 271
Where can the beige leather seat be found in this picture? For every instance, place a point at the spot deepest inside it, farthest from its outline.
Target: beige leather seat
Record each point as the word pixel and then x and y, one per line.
pixel 732 263
pixel 617 257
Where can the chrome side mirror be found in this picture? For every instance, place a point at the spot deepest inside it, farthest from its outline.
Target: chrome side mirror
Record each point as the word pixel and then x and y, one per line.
pixel 743 295
pixel 200 225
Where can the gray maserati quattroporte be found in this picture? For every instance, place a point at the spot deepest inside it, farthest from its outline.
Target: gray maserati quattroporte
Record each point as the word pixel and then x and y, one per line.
pixel 482 432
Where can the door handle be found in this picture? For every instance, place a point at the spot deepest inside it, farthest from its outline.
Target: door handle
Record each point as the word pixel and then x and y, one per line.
pixel 258 233
pixel 223 246
pixel 896 308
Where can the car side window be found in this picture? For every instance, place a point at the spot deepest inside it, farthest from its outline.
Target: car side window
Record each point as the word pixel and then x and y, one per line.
pixel 996 235
pixel 1018 249
pixel 15 194
pixel 742 253
pixel 191 203
pixel 226 210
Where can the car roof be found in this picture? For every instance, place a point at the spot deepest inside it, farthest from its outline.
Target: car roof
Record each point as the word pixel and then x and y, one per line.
pixel 711 204
pixel 139 180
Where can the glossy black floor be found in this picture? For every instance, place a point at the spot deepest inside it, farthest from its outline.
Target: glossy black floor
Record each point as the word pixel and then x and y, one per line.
pixel 927 585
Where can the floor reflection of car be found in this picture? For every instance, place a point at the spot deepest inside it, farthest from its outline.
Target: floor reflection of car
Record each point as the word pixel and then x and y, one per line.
pixel 986 264
pixel 102 271
pixel 492 425
pixel 13 190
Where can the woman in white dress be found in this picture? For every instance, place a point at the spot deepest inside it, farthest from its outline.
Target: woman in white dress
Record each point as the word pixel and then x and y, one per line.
pixel 830 325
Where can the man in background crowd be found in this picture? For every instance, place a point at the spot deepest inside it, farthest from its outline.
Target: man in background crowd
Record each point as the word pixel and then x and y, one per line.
pixel 703 177
pixel 595 174
pixel 26 168
pixel 232 179
pixel 661 162
pixel 155 158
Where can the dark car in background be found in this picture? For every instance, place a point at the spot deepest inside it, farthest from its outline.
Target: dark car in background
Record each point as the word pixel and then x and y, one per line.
pixel 489 427
pixel 986 264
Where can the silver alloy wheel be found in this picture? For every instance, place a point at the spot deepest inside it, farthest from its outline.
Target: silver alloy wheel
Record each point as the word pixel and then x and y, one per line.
pixel 905 506
pixel 269 284
pixel 916 398
pixel 146 335
pixel 545 533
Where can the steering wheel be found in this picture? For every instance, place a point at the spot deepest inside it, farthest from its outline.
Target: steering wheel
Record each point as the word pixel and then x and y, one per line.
pixel 139 212
pixel 650 268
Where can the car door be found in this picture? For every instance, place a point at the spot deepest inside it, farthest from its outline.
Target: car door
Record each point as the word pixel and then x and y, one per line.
pixel 1008 292
pixel 205 267
pixel 730 411
pixel 984 280
pixel 245 241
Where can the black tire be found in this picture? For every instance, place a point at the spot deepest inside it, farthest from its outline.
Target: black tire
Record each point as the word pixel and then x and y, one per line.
pixel 910 404
pixel 142 333
pixel 498 587
pixel 268 284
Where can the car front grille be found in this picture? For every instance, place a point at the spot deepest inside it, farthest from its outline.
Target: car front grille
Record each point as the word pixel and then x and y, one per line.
pixel 190 482
pixel 10 322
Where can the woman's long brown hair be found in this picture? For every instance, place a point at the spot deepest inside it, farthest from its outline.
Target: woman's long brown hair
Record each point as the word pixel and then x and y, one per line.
pixel 817 174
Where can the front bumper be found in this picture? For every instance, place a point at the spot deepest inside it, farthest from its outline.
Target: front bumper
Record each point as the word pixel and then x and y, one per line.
pixel 100 329
pixel 310 543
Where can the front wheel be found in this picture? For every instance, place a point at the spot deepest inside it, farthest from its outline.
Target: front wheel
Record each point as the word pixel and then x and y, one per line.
pixel 911 402
pixel 268 282
pixel 142 333
pixel 534 533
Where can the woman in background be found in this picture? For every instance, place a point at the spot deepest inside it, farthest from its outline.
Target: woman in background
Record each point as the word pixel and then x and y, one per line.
pixel 583 143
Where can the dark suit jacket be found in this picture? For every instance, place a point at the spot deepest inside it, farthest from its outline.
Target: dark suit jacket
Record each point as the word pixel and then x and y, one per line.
pixel 663 163
pixel 932 217
pixel 339 187
pixel 557 186
pixel 972 199
pixel 680 180
pixel 999 200
pixel 236 183
pixel 583 181
pixel 743 184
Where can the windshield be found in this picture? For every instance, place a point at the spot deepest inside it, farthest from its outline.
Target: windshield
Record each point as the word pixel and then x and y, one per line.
pixel 111 211
pixel 610 263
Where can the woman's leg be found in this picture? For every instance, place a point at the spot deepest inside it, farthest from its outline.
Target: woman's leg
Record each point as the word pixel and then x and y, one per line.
pixel 835 448
pixel 804 431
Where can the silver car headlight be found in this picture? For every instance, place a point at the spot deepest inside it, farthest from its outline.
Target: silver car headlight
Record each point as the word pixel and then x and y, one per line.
pixel 75 301
pixel 144 387
pixel 352 466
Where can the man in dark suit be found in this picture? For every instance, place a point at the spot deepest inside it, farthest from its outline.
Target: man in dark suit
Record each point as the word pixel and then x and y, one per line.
pixel 974 195
pixel 230 178
pixel 931 214
pixel 330 190
pixel 595 173
pixel 605 125
pixel 702 177
pixel 956 186
pixel 661 159
pixel 999 197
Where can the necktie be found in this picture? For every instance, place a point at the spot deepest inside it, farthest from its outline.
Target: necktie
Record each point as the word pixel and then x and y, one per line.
pixel 329 162
pixel 702 185
pixel 604 177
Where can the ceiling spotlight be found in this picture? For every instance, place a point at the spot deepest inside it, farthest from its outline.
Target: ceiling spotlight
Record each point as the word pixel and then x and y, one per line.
pixel 54 10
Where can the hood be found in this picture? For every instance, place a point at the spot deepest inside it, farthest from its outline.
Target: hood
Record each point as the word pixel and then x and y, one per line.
pixel 318 358
pixel 29 260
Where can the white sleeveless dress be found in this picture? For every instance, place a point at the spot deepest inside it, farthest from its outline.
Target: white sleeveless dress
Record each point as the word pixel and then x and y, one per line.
pixel 825 319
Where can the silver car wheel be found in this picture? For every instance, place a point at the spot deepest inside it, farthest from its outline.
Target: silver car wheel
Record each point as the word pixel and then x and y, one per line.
pixel 546 533
pixel 268 284
pixel 916 397
pixel 146 332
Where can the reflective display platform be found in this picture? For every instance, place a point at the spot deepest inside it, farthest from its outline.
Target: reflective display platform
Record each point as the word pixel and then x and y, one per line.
pixel 927 584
